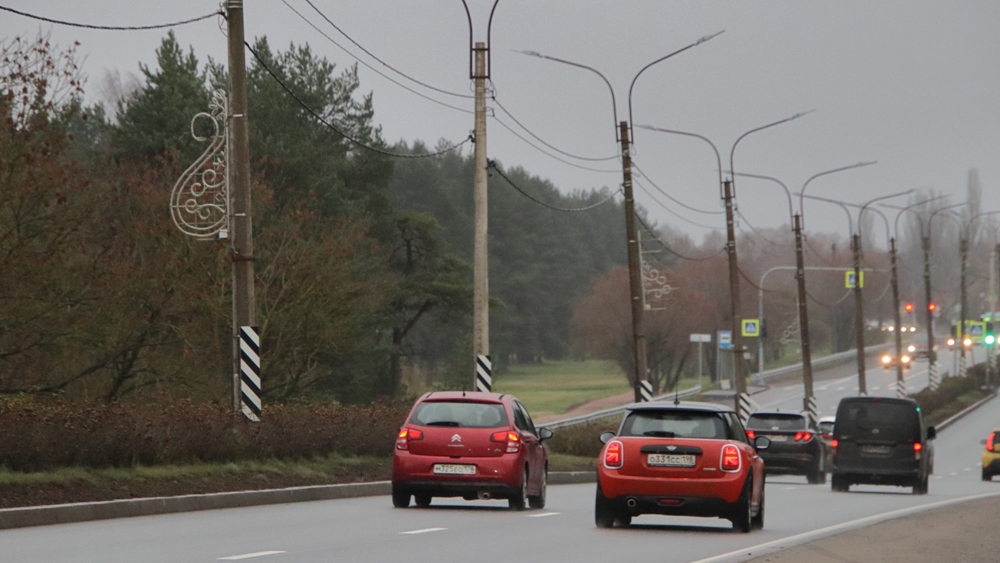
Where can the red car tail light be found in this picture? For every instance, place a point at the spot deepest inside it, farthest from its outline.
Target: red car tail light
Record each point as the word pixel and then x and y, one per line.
pixel 513 440
pixel 407 435
pixel 833 444
pixel 731 460
pixel 803 436
pixel 614 456
pixel 917 448
pixel 989 442
pixel 751 434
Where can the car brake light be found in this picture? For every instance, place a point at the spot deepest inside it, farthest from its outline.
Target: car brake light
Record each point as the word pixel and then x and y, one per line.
pixel 751 434
pixel 917 447
pixel 407 435
pixel 833 444
pixel 614 456
pixel 730 458
pixel 989 442
pixel 513 440
pixel 803 436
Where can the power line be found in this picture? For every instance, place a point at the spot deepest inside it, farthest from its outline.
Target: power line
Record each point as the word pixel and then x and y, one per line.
pixel 550 155
pixel 387 65
pixel 672 198
pixel 111 27
pixel 323 120
pixel 542 141
pixel 491 164
pixel 666 247
pixel 370 67
pixel 761 235
pixel 671 211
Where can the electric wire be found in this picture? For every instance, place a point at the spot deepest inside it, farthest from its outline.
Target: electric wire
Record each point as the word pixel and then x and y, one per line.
pixel 111 27
pixel 540 140
pixel 491 164
pixel 666 247
pixel 387 65
pixel 760 234
pixel 329 125
pixel 671 211
pixel 816 252
pixel 672 198
pixel 543 151
pixel 370 67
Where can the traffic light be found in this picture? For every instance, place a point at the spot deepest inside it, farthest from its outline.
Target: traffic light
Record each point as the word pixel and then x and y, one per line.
pixel 908 307
pixel 989 337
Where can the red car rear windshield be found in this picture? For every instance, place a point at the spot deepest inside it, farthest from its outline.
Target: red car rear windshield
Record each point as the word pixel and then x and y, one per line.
pixel 461 414
pixel 675 424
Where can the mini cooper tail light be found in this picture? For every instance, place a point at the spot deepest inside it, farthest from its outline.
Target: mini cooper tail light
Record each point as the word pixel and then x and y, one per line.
pixel 989 442
pixel 752 435
pixel 614 456
pixel 407 435
pixel 730 458
pixel 513 440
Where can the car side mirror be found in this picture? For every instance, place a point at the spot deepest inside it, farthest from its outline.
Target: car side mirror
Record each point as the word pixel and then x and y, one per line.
pixel 544 434
pixel 761 443
pixel 605 436
pixel 931 433
pixel 983 442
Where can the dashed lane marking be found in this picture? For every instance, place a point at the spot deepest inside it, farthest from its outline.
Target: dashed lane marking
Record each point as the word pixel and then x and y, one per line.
pixel 790 488
pixel 543 515
pixel 842 388
pixel 423 531
pixel 249 555
pixel 953 473
pixel 875 388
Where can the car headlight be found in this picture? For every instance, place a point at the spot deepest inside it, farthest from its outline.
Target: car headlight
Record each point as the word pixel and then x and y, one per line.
pixel 886 359
pixel 912 348
pixel 951 342
pixel 906 359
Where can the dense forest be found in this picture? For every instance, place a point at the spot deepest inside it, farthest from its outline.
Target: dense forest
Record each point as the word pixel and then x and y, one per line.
pixel 362 249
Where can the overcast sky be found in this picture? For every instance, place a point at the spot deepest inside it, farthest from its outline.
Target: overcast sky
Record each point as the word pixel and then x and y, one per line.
pixel 914 84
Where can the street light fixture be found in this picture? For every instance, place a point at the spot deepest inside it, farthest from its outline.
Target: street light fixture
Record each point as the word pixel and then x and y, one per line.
pixel 634 258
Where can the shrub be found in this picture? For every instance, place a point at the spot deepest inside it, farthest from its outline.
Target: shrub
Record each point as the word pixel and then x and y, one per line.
pixel 582 439
pixel 949 391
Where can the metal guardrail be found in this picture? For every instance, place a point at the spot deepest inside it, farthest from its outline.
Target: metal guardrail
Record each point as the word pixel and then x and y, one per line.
pixel 832 359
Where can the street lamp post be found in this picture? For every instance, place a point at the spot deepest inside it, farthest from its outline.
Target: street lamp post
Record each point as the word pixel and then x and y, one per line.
pixel 935 381
pixel 622 130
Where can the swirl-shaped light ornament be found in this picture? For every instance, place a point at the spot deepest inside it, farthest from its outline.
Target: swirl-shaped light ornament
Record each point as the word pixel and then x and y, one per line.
pixel 199 201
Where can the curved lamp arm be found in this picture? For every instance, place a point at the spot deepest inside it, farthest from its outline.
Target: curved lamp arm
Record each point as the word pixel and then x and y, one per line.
pixel 614 104
pixel 814 176
pixel 718 159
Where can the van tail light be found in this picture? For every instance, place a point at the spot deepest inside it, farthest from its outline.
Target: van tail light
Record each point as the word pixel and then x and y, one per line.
pixel 917 448
pixel 989 442
pixel 407 435
pixel 614 455
pixel 803 436
pixel 833 444
pixel 730 458
pixel 513 440
pixel 752 435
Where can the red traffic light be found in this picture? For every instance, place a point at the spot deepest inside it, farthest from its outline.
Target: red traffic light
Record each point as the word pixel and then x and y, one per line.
pixel 908 307
pixel 931 306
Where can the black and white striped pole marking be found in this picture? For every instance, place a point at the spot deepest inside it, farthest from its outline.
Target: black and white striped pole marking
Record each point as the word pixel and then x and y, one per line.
pixel 812 408
pixel 747 406
pixel 935 379
pixel 250 372
pixel 484 374
pixel 901 389
pixel 646 390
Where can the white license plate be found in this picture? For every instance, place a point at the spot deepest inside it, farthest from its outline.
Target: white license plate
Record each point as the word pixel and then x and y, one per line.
pixel 778 438
pixel 876 449
pixel 449 469
pixel 670 460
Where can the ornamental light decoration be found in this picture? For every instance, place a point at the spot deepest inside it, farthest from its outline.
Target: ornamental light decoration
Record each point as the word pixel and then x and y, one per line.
pixel 199 201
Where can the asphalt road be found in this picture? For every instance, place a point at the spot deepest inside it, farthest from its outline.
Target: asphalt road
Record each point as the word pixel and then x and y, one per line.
pixel 369 529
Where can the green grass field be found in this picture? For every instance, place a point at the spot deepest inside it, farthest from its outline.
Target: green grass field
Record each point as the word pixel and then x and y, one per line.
pixel 555 387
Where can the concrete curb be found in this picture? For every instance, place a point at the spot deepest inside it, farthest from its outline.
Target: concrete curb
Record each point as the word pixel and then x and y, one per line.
pixel 88 511
pixel 957 416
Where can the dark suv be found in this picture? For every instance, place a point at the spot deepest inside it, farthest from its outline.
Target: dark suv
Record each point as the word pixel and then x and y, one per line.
pixel 881 441
pixel 796 448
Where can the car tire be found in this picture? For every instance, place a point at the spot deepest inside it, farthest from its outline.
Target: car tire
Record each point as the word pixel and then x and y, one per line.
pixel 757 523
pixel 520 499
pixel 839 484
pixel 400 498
pixel 742 517
pixel 604 515
pixel 623 520
pixel 987 476
pixel 920 488
pixel 422 500
pixel 538 501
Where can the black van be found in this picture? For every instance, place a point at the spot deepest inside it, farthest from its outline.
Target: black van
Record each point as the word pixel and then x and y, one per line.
pixel 881 441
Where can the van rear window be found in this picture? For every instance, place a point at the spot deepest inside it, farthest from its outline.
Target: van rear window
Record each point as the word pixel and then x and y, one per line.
pixel 460 414
pixel 776 422
pixel 878 420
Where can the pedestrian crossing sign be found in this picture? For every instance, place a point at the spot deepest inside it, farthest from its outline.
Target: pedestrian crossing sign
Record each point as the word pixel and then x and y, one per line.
pixel 849 281
pixel 751 328
pixel 976 330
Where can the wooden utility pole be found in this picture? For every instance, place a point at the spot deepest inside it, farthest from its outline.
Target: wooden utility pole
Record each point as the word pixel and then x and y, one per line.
pixel 481 287
pixel 898 322
pixel 859 321
pixel 244 309
pixel 634 265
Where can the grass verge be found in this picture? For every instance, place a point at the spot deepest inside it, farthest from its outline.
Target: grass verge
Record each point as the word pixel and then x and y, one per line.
pixel 555 387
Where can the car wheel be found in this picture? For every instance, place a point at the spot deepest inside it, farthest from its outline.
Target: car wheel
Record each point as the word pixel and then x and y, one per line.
pixel 623 520
pixel 520 499
pixel 758 521
pixel 839 484
pixel 400 498
pixel 538 501
pixel 920 488
pixel 422 500
pixel 604 516
pixel 987 476
pixel 742 517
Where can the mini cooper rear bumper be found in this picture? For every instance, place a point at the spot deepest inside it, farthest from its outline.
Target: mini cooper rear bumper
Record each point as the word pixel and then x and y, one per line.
pixel 721 487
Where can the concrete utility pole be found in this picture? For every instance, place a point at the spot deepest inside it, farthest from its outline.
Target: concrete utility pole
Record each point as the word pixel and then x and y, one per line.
pixel 933 377
pixel 900 381
pixel 859 315
pixel 244 308
pixel 734 296
pixel 481 289
pixel 634 264
pixel 963 251
pixel 800 280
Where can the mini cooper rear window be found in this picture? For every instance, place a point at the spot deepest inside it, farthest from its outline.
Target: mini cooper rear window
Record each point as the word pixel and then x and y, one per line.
pixel 675 424
pixel 460 414
pixel 776 422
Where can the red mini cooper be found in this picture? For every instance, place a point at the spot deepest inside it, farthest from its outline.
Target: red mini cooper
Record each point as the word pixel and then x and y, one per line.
pixel 683 459
pixel 471 445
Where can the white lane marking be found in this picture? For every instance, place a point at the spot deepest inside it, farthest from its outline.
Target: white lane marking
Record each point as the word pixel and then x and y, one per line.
pixel 875 388
pixel 799 539
pixel 841 388
pixel 423 531
pixel 968 469
pixel 953 473
pixel 542 515
pixel 938 477
pixel 249 555
pixel 790 488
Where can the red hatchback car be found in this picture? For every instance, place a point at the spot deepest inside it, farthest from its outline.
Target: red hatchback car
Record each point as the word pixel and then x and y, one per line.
pixel 470 445
pixel 683 459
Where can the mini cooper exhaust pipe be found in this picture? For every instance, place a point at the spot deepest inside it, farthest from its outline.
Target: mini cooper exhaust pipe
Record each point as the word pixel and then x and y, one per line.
pixel 484 495
pixel 630 502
